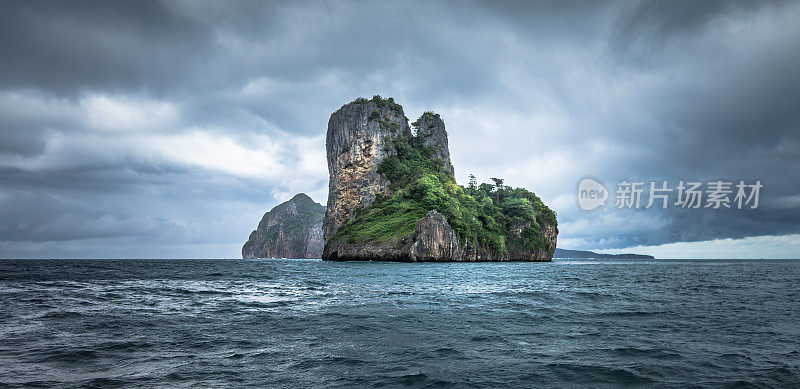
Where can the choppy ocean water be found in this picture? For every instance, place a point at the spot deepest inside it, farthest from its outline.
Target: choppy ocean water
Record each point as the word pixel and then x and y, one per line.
pixel 209 323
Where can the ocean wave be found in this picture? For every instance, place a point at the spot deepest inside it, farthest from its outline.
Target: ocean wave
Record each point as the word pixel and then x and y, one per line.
pixel 311 324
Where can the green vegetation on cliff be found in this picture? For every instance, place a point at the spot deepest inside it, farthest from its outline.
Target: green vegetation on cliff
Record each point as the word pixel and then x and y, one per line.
pixel 482 214
pixel 308 212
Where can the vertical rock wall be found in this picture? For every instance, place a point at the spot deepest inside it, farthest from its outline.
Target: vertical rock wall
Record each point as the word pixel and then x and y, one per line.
pixel 354 148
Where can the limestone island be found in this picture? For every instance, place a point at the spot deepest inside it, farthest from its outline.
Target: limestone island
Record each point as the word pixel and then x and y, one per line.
pixel 392 196
pixel 292 229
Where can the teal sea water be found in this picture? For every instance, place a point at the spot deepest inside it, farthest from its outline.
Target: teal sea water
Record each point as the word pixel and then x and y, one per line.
pixel 201 323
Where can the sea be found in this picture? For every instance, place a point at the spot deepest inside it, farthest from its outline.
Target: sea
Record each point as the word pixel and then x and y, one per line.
pixel 200 323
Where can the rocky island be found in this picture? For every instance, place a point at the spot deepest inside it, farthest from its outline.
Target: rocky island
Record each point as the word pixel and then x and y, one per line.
pixel 393 196
pixel 290 230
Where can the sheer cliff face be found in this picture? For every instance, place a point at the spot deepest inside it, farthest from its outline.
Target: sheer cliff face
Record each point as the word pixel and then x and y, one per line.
pixel 354 147
pixel 290 230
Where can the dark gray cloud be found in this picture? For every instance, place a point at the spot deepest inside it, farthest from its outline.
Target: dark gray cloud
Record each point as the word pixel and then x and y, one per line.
pixel 167 128
pixel 63 47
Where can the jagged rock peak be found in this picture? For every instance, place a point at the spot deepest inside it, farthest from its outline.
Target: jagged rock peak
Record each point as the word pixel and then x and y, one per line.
pixel 430 129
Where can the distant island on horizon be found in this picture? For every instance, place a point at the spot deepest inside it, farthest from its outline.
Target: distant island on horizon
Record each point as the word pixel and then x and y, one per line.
pixel 583 254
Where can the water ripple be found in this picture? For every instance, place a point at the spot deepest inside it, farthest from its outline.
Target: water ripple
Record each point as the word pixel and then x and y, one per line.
pixel 168 323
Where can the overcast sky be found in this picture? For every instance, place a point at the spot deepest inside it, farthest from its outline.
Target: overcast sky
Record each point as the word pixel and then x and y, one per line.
pixel 167 129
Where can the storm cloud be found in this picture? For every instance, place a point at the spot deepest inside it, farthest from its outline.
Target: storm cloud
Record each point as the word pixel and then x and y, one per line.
pixel 166 129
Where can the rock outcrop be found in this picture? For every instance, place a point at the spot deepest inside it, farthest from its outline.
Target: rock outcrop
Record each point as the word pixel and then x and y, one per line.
pixel 354 145
pixel 435 240
pixel 392 196
pixel 292 229
pixel 432 240
pixel 430 129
